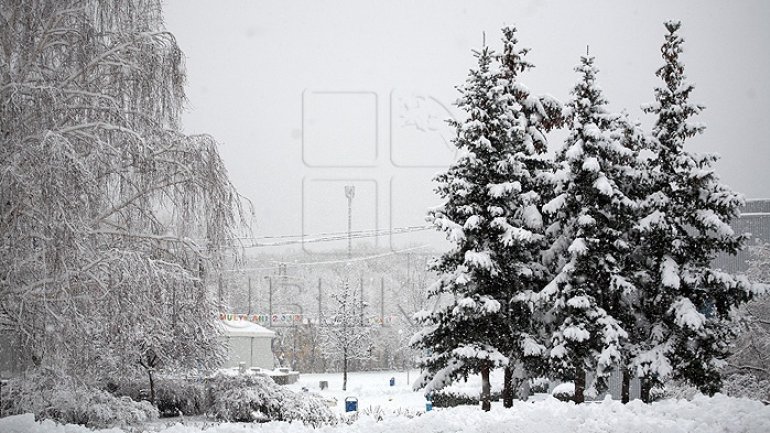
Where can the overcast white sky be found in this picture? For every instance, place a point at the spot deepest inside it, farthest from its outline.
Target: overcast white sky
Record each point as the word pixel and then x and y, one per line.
pixel 308 96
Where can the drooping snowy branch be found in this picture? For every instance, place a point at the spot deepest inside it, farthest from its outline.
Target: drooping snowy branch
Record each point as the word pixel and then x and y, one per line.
pixel 111 221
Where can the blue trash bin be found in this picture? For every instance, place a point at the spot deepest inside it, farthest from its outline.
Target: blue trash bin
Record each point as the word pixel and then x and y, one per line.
pixel 428 406
pixel 392 381
pixel 351 404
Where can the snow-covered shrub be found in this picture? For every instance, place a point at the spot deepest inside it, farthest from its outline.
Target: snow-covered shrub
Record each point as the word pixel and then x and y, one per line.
pixel 674 390
pixel 378 413
pixel 258 398
pixel 539 385
pixel 180 397
pixel 564 391
pixel 733 385
pixel 173 397
pixel 746 385
pixel 446 398
pixel 61 399
pixel 306 407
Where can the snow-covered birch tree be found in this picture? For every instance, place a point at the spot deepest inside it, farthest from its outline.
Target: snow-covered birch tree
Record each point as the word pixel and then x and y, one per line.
pixel 491 214
pixel 346 333
pixel 111 221
pixel 592 213
pixel 685 224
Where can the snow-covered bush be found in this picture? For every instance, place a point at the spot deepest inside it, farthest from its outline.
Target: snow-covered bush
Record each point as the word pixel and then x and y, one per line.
pixel 61 399
pixel 447 398
pixel 539 385
pixel 258 398
pixel 378 413
pixel 173 397
pixel 674 390
pixel 746 385
pixel 564 391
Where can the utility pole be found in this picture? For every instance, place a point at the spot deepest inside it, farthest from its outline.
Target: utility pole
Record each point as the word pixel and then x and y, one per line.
pixel 350 192
pixel 382 301
pixel 320 314
pixel 361 301
pixel 249 310
pixel 269 300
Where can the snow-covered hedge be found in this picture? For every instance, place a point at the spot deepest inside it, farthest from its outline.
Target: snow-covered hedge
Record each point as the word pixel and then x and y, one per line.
pixel 258 398
pixel 172 396
pixel 452 398
pixel 49 396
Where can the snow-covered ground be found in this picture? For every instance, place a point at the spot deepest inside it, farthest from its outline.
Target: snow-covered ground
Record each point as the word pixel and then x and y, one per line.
pixel 702 414
pixel 371 388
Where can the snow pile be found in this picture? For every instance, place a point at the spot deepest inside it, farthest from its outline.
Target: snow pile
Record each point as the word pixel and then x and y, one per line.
pixel 702 414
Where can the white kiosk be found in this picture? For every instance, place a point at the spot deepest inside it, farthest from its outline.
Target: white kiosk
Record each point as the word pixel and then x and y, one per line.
pixel 248 343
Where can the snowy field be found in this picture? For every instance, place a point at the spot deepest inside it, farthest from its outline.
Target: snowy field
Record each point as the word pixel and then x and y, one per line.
pixel 402 410
pixel 372 389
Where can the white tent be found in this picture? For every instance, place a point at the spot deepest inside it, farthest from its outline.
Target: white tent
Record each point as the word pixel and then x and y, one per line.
pixel 249 343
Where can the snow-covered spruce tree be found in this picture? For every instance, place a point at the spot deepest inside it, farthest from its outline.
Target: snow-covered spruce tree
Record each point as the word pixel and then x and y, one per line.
pixel 588 299
pixel 526 118
pixel 491 215
pixel 634 180
pixel 346 333
pixel 110 221
pixel 685 224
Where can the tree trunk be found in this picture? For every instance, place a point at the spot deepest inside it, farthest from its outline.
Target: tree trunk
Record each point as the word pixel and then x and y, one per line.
pixel 525 392
pixel 508 387
pixel 580 386
pixel 486 403
pixel 646 385
pixel 344 369
pixel 625 386
pixel 152 386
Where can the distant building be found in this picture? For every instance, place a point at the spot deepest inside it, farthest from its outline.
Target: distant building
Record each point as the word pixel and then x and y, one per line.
pixel 755 221
pixel 248 343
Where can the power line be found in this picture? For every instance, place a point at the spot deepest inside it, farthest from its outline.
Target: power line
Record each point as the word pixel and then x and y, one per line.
pixel 330 262
pixel 355 232
pixel 303 239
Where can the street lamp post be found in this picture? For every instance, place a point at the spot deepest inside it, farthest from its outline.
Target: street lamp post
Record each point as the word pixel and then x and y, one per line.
pixel 269 300
pixel 350 192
